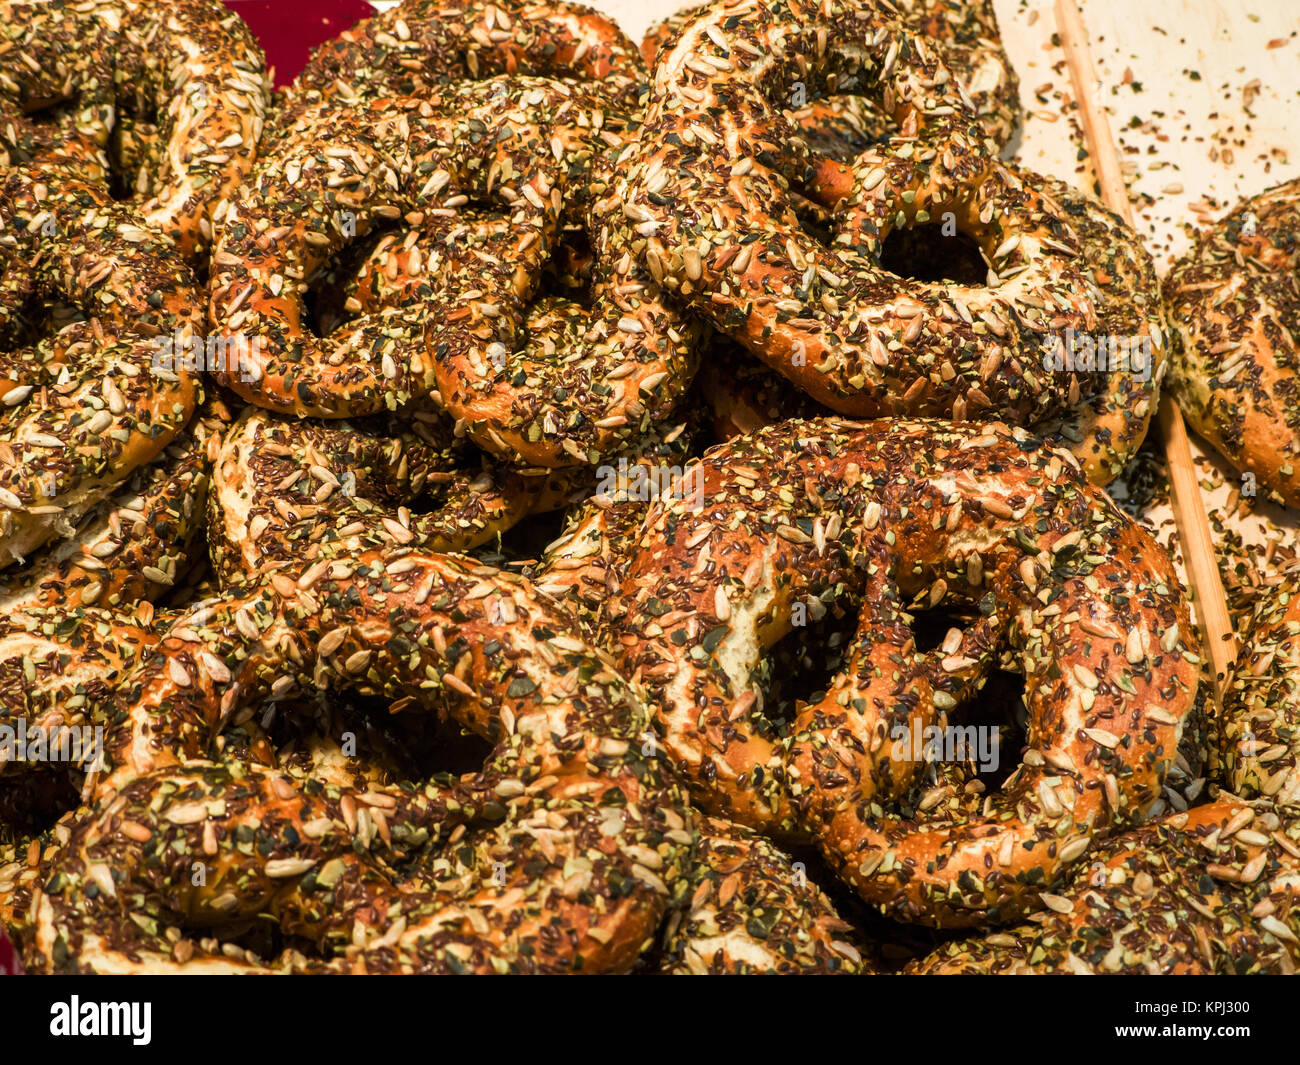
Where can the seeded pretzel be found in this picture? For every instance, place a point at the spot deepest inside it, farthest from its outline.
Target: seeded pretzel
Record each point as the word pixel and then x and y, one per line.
pixel 294 493
pixel 888 518
pixel 1261 735
pixel 583 567
pixel 176 92
pixel 1235 309
pixel 132 547
pixel 711 191
pixel 418 46
pixel 557 382
pixel 562 853
pixel 330 181
pixel 753 910
pixel 968 39
pixel 1211 890
pixel 87 406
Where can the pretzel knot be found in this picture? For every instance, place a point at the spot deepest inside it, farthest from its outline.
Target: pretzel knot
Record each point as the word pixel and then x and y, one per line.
pixel 561 853
pixel 176 93
pixel 87 404
pixel 730 196
pixel 892 518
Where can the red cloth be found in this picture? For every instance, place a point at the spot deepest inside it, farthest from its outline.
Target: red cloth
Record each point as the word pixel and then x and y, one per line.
pixel 290 29
pixel 8 959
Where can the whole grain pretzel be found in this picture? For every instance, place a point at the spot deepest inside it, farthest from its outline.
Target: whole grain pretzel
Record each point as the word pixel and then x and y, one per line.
pixel 289 494
pixel 176 93
pixel 711 192
pixel 329 182
pixel 562 853
pixel 1234 305
pixel 753 910
pixel 582 568
pixel 86 406
pixel 134 545
pixel 890 518
pixel 1211 890
pixel 418 46
pixel 558 381
pixel 1260 740
pixel 968 39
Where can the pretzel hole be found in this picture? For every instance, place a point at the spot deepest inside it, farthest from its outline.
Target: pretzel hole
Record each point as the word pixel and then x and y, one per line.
pixel 33 797
pixel 928 253
pixel 998 704
pixel 801 666
pixel 524 543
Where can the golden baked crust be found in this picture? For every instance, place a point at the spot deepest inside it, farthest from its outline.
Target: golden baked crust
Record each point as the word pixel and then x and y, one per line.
pixel 175 92
pixel 1235 307
pixel 1206 891
pixel 890 517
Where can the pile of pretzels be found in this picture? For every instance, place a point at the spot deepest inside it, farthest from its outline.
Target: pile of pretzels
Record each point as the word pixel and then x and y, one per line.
pixel 514 501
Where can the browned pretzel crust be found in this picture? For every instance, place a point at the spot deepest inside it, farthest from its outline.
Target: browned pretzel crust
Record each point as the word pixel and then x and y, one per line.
pixel 562 853
pixel 968 39
pixel 328 183
pixel 753 909
pixel 85 407
pixel 176 92
pixel 891 517
pixel 289 494
pixel 1235 305
pixel 418 46
pixel 1260 720
pixel 136 544
pixel 1212 890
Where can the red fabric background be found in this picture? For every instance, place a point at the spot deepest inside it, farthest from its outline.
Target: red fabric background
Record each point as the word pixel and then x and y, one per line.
pixel 290 29
pixel 8 962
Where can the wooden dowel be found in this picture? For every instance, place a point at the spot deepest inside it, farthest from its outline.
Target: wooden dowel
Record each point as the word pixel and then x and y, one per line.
pixel 1220 644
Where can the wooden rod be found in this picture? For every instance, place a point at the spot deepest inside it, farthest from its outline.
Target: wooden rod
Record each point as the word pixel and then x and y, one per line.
pixel 1220 644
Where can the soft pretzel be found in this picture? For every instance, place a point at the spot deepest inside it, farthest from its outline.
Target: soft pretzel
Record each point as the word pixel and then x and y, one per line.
pixel 1260 719
pixel 558 382
pixel 328 183
pixel 583 567
pixel 1211 890
pixel 891 517
pixel 176 92
pixel 132 546
pixel 711 192
pixel 562 853
pixel 754 910
pixel 289 494
pixel 968 40
pixel 418 46
pixel 87 406
pixel 1235 309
